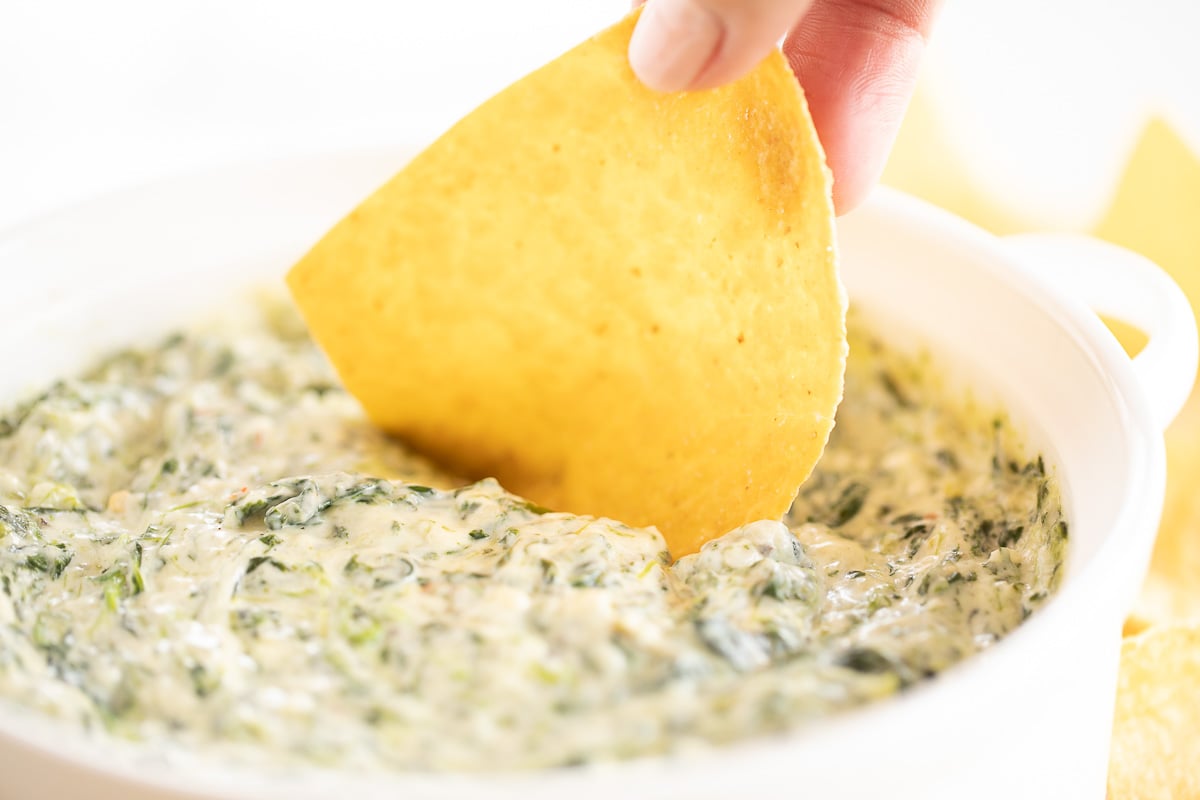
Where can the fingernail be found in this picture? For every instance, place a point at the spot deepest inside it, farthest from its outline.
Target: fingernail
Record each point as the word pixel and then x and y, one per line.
pixel 674 40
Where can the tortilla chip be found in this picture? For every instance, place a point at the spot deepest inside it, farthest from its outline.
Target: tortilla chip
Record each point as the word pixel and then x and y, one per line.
pixel 1171 591
pixel 1132 338
pixel 1155 207
pixel 928 161
pixel 1156 730
pixel 617 302
pixel 1154 212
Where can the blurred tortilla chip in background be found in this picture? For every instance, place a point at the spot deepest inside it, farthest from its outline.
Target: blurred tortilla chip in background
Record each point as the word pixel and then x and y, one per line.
pixel 1154 210
pixel 1156 728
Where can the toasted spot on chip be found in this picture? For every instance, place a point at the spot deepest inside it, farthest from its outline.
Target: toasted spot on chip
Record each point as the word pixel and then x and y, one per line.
pixel 617 302
pixel 1134 625
pixel 1156 729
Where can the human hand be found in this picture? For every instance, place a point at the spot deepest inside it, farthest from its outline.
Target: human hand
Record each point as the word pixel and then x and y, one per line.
pixel 856 59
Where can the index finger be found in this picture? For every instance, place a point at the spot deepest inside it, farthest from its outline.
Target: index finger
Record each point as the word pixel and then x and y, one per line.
pixel 858 61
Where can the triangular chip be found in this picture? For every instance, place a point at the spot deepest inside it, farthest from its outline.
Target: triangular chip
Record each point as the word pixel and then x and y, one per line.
pixel 617 302
pixel 1156 725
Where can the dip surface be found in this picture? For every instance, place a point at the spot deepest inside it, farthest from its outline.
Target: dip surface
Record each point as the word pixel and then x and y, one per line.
pixel 205 546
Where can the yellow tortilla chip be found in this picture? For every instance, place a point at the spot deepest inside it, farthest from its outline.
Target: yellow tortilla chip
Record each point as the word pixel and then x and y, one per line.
pixel 617 302
pixel 926 160
pixel 1156 731
pixel 1154 212
pixel 1132 338
pixel 1172 591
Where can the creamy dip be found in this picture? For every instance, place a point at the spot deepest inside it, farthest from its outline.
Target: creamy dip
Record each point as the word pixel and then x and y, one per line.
pixel 204 545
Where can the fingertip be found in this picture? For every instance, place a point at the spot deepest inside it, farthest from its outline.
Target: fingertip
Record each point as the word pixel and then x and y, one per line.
pixel 851 187
pixel 672 43
pixel 702 44
pixel 856 149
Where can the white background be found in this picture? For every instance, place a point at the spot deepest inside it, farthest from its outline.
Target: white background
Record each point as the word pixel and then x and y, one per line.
pixel 1044 96
pixel 96 94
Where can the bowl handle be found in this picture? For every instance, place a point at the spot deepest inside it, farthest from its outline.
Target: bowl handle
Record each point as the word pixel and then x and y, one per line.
pixel 1116 282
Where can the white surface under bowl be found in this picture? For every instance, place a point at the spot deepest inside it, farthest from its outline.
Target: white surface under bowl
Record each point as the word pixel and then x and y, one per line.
pixel 1028 718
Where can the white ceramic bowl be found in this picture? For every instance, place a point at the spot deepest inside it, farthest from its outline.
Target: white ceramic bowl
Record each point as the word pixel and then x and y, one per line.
pixel 1028 718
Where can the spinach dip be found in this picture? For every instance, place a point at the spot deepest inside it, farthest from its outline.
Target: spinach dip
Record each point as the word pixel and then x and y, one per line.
pixel 204 545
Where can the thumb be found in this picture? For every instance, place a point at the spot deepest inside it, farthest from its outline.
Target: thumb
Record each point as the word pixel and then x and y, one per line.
pixel 700 44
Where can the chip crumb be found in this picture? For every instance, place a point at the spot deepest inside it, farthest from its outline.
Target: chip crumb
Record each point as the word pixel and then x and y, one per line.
pixel 118 502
